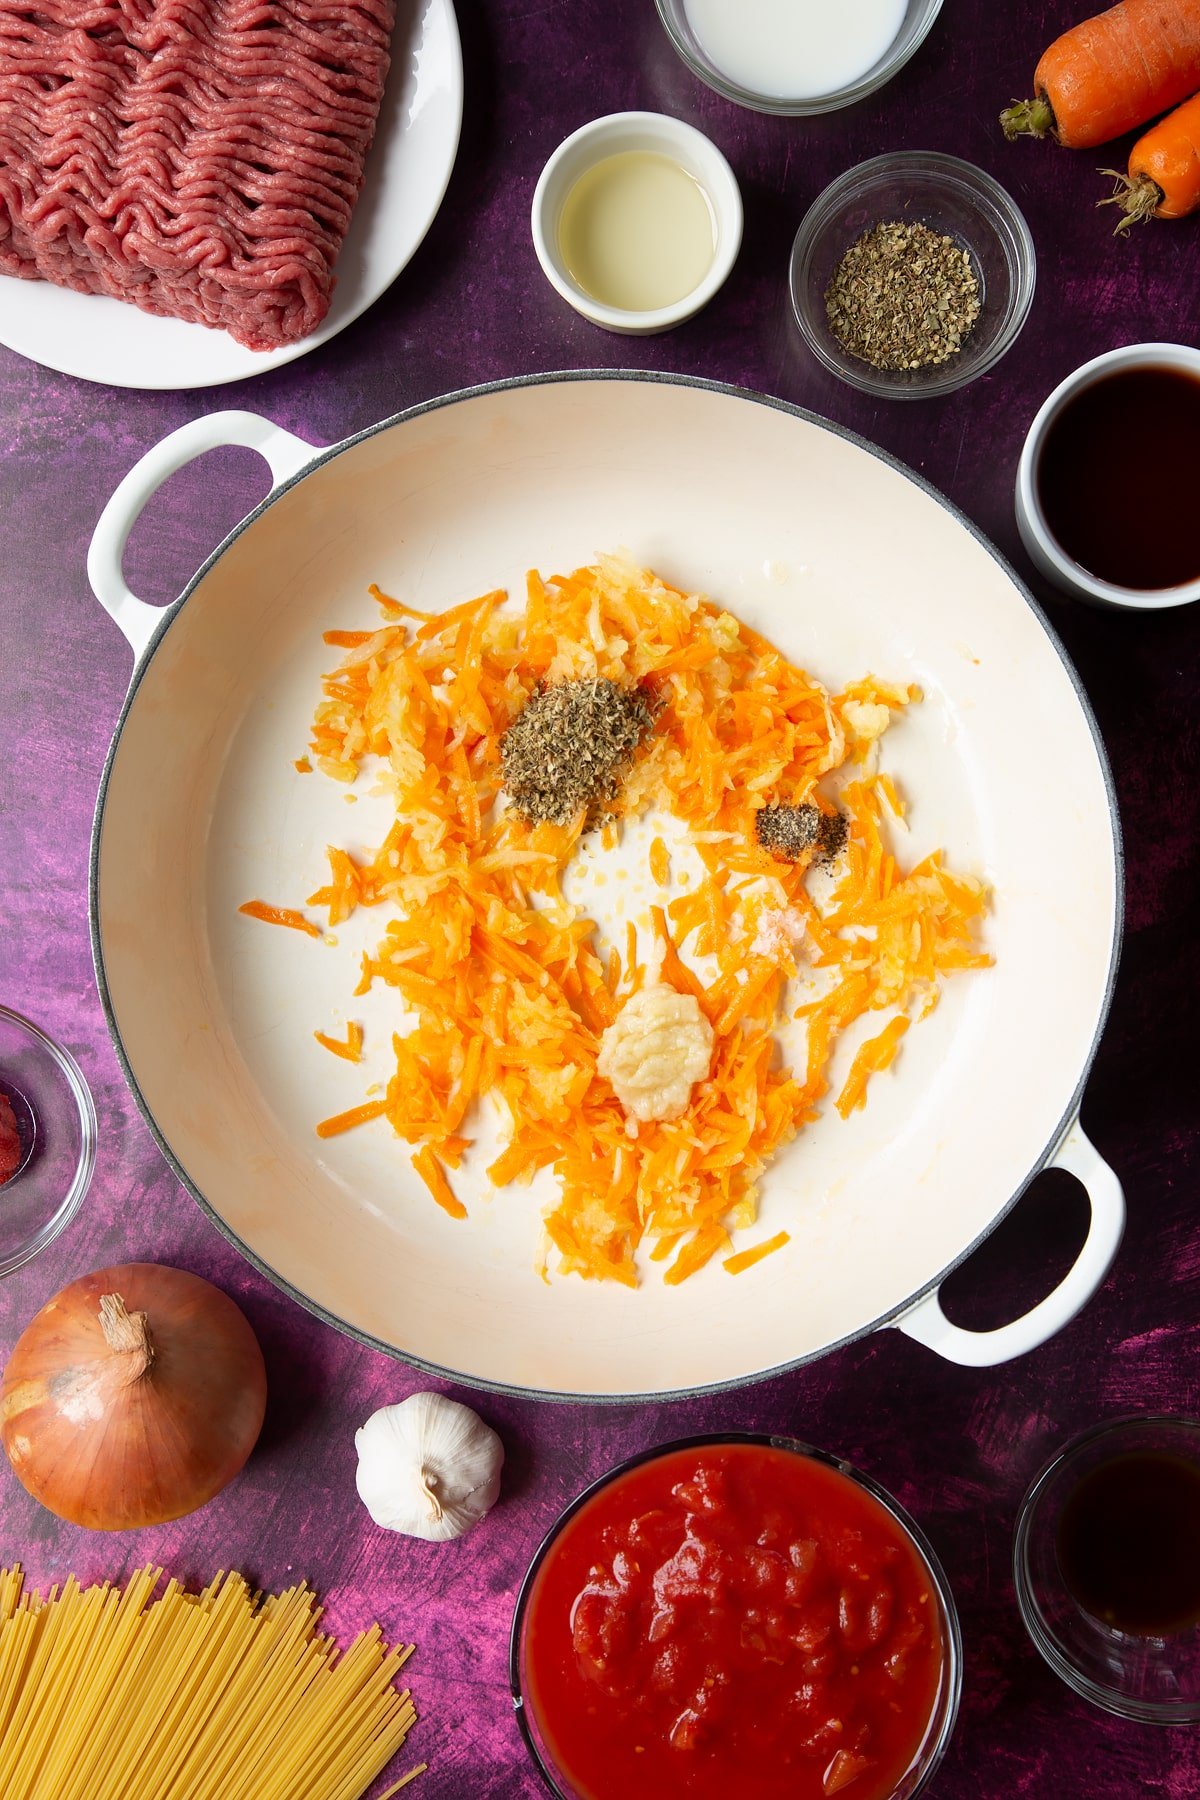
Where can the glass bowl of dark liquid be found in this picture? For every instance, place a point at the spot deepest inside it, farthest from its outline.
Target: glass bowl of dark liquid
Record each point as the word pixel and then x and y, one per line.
pixel 1107 1567
pixel 47 1139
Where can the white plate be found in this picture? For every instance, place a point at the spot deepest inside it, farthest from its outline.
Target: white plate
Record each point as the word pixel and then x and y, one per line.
pixel 407 172
pixel 850 565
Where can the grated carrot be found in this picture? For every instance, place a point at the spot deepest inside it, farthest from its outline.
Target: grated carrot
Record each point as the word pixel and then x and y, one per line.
pixel 395 609
pixel 676 973
pixel 302 766
pixel 350 1047
pixel 746 1259
pixel 695 1253
pixel 509 990
pixel 874 1055
pixel 434 1176
pixel 346 1121
pixel 660 863
pixel 279 915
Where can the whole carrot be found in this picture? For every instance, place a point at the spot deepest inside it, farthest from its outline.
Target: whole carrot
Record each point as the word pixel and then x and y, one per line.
pixel 1164 170
pixel 1112 72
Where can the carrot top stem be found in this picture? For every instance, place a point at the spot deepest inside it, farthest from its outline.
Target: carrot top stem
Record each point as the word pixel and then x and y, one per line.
pixel 1029 118
pixel 1138 196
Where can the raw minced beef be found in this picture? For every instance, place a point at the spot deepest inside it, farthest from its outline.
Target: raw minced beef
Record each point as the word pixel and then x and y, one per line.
pixel 198 158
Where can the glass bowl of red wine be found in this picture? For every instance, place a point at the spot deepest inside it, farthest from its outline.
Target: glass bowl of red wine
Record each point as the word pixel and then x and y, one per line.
pixel 1106 1562
pixel 47 1139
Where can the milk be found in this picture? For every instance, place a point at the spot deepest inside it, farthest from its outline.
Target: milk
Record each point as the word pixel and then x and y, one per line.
pixel 795 49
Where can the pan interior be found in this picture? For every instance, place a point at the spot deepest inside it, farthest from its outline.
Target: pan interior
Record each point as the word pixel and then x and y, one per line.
pixel 851 568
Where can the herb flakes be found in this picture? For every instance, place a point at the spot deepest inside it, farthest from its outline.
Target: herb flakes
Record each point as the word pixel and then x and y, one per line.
pixel 903 297
pixel 569 747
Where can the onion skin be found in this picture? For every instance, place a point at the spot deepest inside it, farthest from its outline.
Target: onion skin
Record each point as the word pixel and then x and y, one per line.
pixel 118 1438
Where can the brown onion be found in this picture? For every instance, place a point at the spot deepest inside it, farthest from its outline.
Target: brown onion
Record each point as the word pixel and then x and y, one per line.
pixel 133 1397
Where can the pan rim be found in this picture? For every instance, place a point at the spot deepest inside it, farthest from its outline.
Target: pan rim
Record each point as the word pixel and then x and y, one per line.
pixel 326 454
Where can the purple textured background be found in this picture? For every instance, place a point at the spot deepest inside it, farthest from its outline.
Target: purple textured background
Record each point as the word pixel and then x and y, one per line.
pixel 956 1446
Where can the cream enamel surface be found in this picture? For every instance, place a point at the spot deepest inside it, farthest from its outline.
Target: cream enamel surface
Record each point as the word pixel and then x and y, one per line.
pixel 795 49
pixel 204 810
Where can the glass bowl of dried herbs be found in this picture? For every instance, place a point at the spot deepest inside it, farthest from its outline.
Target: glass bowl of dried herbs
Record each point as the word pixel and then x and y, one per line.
pixel 912 274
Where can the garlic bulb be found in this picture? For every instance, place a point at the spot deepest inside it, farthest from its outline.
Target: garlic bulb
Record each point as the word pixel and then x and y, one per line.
pixel 428 1467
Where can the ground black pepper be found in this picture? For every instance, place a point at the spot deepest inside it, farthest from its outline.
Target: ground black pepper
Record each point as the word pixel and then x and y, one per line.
pixel 903 297
pixel 789 831
pixel 832 835
pixel 569 748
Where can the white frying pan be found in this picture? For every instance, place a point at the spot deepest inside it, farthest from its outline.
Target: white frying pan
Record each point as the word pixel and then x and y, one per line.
pixel 850 564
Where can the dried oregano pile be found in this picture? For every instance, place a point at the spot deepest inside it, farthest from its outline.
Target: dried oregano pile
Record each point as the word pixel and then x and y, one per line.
pixel 569 748
pixel 903 297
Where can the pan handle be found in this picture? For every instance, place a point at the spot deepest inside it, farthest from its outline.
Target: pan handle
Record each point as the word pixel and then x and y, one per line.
pixel 928 1324
pixel 285 455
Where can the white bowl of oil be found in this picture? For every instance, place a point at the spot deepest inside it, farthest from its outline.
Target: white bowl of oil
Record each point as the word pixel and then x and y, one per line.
pixel 637 221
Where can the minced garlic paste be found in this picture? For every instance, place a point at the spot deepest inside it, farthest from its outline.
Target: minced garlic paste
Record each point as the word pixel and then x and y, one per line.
pixel 657 1047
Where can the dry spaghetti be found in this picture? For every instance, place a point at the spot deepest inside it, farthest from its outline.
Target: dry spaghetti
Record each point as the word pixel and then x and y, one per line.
pixel 511 989
pixel 117 1695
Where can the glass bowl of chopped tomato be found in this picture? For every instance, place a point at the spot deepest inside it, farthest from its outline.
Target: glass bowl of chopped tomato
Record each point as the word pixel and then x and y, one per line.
pixel 735 1614
pixel 868 305
pixel 47 1139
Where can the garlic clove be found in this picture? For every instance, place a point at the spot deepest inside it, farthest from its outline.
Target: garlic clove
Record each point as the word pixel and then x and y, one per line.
pixel 428 1467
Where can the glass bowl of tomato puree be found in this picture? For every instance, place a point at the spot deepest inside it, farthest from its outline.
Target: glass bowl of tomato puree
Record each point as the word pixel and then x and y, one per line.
pixel 47 1139
pixel 735 1614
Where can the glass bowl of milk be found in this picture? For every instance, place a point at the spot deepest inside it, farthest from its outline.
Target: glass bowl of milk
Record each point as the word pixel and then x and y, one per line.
pixel 796 56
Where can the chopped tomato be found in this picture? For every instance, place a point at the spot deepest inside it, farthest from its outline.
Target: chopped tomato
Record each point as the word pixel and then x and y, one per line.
pixel 11 1152
pixel 732 1619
